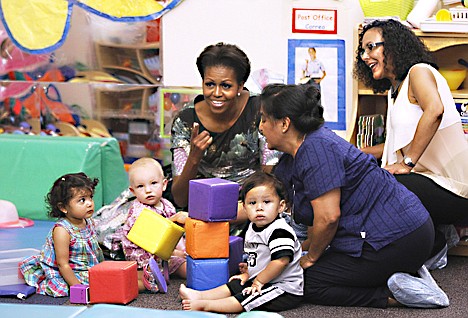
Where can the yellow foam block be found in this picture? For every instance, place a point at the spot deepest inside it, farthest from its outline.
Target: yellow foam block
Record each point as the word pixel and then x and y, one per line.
pixel 206 239
pixel 155 234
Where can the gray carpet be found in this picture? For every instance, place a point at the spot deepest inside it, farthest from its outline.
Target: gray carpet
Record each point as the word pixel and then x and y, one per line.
pixel 35 299
pixel 453 280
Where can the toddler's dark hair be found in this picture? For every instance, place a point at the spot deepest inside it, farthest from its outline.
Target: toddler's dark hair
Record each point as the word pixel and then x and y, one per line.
pixel 261 178
pixel 64 189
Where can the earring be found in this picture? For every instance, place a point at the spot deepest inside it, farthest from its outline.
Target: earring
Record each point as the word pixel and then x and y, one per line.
pixel 238 94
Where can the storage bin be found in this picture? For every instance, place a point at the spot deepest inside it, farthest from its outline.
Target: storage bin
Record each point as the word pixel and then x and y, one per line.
pixel 9 261
pixel 385 8
pixel 139 127
pixel 137 151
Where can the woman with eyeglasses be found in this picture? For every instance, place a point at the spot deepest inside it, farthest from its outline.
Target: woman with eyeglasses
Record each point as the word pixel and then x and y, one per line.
pixel 366 230
pixel 425 147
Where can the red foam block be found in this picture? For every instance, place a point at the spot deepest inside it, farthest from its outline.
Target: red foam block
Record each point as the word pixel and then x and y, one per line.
pixel 114 282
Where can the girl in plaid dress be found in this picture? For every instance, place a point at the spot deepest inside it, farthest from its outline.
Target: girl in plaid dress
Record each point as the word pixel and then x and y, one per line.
pixel 71 247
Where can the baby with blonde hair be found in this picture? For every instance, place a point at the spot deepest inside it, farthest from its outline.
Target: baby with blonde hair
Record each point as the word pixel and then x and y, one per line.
pixel 147 183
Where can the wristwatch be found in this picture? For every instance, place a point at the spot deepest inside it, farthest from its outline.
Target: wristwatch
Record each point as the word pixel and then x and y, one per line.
pixel 407 161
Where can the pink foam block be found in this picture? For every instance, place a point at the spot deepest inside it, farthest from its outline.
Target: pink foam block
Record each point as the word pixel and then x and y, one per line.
pixel 79 294
pixel 213 199
pixel 114 282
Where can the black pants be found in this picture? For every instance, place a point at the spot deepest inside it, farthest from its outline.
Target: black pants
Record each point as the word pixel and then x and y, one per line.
pixel 283 302
pixel 444 206
pixel 341 280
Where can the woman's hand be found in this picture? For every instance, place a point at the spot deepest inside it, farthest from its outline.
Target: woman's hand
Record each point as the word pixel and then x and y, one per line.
pixel 199 142
pixel 376 151
pixel 306 261
pixel 398 168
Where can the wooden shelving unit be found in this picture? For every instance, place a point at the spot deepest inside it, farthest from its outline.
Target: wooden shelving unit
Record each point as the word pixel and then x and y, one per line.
pixel 125 108
pixel 131 61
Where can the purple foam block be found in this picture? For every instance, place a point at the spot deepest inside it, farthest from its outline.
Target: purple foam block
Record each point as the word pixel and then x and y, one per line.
pixel 79 294
pixel 213 199
pixel 158 276
pixel 236 250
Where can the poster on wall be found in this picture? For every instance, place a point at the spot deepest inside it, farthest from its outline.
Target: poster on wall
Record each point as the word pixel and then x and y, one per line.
pixel 321 63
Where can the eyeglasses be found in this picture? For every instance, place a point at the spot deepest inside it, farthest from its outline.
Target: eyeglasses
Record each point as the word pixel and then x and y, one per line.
pixel 369 48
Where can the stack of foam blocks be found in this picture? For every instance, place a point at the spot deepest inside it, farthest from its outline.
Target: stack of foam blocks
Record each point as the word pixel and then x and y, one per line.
pixel 213 255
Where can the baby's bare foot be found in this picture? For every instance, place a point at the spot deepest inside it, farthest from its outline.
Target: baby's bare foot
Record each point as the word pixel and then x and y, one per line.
pixel 188 293
pixel 188 304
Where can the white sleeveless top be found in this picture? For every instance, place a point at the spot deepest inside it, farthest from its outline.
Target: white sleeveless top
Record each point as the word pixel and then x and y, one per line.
pixel 445 159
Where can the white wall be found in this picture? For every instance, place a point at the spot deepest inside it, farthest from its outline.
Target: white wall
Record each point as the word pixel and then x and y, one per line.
pixel 260 27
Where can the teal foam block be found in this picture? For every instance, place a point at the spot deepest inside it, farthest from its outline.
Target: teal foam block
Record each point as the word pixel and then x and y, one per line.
pixel 27 310
pixel 112 311
pixel 30 164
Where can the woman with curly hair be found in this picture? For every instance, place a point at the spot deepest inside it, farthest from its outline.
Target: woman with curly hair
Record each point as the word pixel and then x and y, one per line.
pixel 425 147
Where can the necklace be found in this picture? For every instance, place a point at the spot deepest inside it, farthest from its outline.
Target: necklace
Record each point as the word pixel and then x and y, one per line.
pixel 394 93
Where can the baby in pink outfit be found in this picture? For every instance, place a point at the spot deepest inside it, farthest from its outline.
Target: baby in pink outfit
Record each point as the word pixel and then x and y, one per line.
pixel 147 183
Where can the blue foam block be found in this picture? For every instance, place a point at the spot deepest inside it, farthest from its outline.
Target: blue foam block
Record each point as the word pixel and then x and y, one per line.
pixel 207 273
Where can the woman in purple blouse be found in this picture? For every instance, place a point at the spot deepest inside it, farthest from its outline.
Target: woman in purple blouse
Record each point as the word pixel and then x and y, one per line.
pixel 366 230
